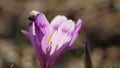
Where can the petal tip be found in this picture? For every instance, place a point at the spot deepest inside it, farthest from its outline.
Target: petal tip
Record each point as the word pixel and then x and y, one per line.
pixel 79 20
pixel 79 25
pixel 22 31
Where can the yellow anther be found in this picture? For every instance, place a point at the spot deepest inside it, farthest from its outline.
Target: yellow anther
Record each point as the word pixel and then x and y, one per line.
pixel 49 39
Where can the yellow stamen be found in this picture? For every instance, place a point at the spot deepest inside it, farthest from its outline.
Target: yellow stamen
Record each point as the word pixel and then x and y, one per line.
pixel 49 39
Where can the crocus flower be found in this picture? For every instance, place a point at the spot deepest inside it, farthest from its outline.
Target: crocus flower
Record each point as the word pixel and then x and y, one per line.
pixel 50 40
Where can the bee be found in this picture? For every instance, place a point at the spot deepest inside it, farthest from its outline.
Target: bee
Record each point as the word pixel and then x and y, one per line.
pixel 32 15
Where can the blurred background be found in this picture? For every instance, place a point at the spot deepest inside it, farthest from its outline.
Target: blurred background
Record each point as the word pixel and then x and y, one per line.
pixel 101 27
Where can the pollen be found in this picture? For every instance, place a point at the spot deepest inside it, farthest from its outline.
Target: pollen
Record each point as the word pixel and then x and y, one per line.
pixel 49 39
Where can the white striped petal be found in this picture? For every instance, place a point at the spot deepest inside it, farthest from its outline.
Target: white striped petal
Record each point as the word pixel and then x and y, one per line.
pixel 62 36
pixel 57 21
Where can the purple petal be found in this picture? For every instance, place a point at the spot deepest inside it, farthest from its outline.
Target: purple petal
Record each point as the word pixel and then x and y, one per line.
pixel 44 26
pixel 30 26
pixel 42 23
pixel 78 28
pixel 68 26
pixel 57 21
pixel 28 35
pixel 61 36
pixel 40 36
pixel 63 32
pixel 36 41
pixel 41 55
pixel 35 44
pixel 38 33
